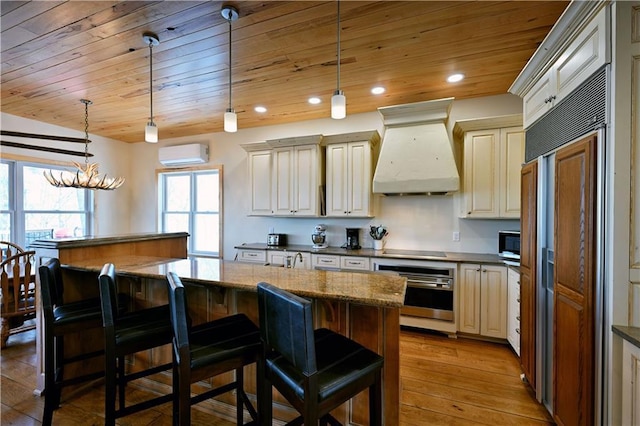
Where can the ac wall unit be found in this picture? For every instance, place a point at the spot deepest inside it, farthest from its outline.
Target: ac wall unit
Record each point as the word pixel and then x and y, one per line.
pixel 182 155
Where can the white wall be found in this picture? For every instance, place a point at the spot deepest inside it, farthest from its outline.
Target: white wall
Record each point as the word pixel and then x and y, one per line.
pixel 415 222
pixel 111 207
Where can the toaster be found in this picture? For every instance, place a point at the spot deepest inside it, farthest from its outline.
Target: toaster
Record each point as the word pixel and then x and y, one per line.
pixel 277 239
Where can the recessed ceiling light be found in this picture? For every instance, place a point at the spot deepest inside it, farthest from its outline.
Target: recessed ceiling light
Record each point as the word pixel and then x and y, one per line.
pixel 314 100
pixel 378 90
pixel 260 109
pixel 454 78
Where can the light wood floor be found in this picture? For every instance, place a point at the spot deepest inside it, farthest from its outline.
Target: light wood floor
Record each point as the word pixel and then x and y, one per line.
pixel 444 382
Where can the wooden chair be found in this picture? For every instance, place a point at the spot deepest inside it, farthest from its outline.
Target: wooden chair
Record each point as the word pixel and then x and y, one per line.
pixel 18 294
pixel 315 370
pixel 207 350
pixel 8 249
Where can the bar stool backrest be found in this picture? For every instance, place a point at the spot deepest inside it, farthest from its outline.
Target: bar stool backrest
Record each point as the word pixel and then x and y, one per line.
pixel 286 325
pixel 179 315
pixel 109 297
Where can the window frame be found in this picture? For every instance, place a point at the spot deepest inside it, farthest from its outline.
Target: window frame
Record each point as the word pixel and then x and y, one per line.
pixel 16 205
pixel 162 211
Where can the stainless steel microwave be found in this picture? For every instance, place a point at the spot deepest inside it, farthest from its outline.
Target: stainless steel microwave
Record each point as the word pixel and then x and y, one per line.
pixel 509 244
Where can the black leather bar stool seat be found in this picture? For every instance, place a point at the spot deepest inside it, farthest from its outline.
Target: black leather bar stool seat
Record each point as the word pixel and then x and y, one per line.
pixel 126 334
pixel 60 319
pixel 207 350
pixel 315 370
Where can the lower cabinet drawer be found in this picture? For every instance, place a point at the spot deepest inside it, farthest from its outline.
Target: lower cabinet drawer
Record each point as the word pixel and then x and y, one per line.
pixel 254 256
pixel 325 261
pixel 355 263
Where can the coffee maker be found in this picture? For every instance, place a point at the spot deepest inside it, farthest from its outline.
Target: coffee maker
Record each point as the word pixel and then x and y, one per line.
pixel 353 239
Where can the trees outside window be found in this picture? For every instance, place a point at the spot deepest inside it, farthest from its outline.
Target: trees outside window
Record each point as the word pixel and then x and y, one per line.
pixel 30 208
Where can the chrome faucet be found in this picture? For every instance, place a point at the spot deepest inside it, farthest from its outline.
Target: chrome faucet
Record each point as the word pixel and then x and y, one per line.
pixel 295 257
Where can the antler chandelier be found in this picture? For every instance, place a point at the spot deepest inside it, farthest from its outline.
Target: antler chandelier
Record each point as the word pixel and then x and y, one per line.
pixel 86 176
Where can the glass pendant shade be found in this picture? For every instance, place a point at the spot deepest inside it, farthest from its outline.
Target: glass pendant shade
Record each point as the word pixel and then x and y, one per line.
pixel 151 132
pixel 230 121
pixel 338 105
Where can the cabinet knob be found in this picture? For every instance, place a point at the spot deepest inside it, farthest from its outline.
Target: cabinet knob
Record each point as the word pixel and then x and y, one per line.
pixel 518 299
pixel 478 270
pixel 518 317
pixel 518 330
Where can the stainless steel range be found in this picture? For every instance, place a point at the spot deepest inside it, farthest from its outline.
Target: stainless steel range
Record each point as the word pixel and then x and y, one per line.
pixel 430 297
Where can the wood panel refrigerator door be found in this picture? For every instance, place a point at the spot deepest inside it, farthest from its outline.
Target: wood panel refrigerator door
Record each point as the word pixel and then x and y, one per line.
pixel 574 281
pixel 528 262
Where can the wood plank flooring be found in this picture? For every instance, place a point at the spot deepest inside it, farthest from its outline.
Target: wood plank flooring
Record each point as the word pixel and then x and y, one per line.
pixel 444 382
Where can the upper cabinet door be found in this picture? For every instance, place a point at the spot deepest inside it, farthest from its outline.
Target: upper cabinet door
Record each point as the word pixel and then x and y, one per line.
pixel 337 180
pixel 349 173
pixel 511 157
pixel 481 180
pixel 492 161
pixel 261 182
pixel 283 167
pixel 305 181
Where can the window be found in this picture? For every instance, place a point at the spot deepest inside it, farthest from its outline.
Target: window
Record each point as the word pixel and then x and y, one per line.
pixel 30 208
pixel 190 201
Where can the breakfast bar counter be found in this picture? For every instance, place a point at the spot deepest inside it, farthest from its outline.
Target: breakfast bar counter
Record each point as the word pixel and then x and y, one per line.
pixel 362 306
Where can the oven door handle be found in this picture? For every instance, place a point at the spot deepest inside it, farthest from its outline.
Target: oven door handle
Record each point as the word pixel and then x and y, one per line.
pixel 429 284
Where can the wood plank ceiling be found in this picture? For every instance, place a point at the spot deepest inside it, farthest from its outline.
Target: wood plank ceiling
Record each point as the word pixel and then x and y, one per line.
pixel 56 52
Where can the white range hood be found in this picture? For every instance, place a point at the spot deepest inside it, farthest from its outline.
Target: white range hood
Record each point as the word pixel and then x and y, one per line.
pixel 416 156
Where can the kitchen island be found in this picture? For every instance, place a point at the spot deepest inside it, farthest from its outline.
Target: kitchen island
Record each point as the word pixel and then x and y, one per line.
pixel 362 306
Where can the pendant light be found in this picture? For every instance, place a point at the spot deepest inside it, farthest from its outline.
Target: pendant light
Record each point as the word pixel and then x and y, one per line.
pixel 88 176
pixel 151 130
pixel 230 13
pixel 338 100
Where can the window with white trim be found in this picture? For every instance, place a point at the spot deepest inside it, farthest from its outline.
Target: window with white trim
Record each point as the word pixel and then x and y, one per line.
pixel 30 208
pixel 190 201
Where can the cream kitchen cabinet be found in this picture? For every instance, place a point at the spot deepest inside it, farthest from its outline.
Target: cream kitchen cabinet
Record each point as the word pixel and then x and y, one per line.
pixel 513 310
pixel 482 303
pixel 286 176
pixel 349 172
pixel 260 181
pixel 630 384
pixel 492 161
pixel 296 181
pixel 579 60
pixel 343 263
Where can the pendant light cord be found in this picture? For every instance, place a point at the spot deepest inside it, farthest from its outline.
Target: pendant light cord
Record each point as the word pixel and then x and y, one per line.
pixel 151 78
pixel 229 61
pixel 338 37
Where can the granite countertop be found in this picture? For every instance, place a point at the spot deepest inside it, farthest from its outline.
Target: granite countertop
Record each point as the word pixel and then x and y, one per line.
pixel 631 334
pixel 386 253
pixel 385 290
pixel 70 242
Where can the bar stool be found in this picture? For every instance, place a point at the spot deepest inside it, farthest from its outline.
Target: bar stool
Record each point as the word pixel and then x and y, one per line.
pixel 60 319
pixel 127 334
pixel 207 350
pixel 316 371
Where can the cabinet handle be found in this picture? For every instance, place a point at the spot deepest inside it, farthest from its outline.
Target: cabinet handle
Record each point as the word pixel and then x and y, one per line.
pixel 518 330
